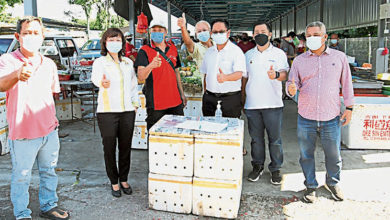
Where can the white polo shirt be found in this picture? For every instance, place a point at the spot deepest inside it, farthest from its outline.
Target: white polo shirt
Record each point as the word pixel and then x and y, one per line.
pixel 230 59
pixel 261 91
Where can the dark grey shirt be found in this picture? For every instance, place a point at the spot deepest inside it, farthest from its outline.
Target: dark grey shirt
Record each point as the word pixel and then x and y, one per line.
pixel 338 46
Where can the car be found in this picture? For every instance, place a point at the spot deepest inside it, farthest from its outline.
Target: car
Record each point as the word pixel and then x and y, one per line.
pixel 90 50
pixel 62 49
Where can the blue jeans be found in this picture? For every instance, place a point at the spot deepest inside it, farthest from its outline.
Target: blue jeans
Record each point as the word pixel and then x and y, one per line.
pixel 23 155
pixel 260 120
pixel 329 133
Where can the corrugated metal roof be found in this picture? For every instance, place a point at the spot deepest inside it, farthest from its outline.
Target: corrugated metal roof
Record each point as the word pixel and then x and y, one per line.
pixel 241 14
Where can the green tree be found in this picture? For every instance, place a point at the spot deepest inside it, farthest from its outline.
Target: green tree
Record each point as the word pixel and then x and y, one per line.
pixel 87 6
pixel 4 4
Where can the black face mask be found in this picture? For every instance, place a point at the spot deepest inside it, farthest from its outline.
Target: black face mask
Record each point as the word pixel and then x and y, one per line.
pixel 129 39
pixel 261 39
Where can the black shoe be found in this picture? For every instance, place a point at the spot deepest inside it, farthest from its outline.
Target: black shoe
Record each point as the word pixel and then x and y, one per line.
pixel 256 173
pixel 336 192
pixel 116 193
pixel 276 178
pixel 309 195
pixel 127 191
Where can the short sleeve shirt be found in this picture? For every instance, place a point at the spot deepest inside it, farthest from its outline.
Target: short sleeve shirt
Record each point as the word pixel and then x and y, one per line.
pixel 230 59
pixel 198 53
pixel 30 105
pixel 261 91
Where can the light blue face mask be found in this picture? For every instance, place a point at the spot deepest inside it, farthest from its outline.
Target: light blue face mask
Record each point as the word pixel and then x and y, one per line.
pixel 203 36
pixel 157 37
pixel 219 38
pixel 333 41
pixel 114 46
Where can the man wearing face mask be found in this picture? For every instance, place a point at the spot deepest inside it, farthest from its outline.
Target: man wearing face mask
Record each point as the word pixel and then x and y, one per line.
pixel 245 43
pixel 318 75
pixel 158 64
pixel 223 66
pixel 30 80
pixel 267 67
pixel 131 52
pixel 202 32
pixel 335 44
pixel 287 45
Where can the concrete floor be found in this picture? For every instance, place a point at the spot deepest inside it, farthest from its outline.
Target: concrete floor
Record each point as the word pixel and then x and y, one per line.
pixel 366 185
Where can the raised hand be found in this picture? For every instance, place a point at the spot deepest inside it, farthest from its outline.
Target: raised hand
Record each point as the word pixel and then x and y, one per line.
pixel 105 82
pixel 271 72
pixel 24 72
pixel 292 88
pixel 181 22
pixel 156 62
pixel 221 77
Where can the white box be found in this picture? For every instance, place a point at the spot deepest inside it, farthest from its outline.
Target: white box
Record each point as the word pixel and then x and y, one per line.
pixel 4 147
pixel 194 107
pixel 3 114
pixel 370 124
pixel 141 114
pixel 171 155
pixel 64 111
pixel 217 198
pixel 219 156
pixel 140 136
pixel 218 159
pixel 170 193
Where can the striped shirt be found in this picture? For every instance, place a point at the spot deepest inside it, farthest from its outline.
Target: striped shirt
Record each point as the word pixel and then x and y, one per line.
pixel 318 79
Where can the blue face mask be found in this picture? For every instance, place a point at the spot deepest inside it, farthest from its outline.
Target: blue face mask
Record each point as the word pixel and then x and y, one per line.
pixel 157 37
pixel 333 41
pixel 203 36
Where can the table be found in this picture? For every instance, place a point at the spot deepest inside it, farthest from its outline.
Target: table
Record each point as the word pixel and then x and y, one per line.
pixel 71 85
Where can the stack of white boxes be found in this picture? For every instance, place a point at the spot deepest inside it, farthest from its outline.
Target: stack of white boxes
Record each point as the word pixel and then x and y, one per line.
pixel 4 147
pixel 140 134
pixel 193 171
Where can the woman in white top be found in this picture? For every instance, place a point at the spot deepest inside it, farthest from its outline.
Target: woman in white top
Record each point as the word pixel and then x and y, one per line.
pixel 114 74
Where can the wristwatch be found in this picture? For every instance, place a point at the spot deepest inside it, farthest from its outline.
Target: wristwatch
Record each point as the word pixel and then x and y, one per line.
pixel 277 74
pixel 349 108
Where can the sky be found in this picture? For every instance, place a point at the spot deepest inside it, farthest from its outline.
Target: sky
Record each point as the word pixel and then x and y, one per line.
pixel 56 8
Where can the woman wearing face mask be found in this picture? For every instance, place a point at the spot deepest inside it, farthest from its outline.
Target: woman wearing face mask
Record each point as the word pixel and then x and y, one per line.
pixel 117 101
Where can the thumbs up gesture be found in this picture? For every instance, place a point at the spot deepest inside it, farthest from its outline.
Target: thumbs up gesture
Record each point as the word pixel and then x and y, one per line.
pixel 24 72
pixel 105 82
pixel 271 72
pixel 221 77
pixel 181 22
pixel 292 88
pixel 156 62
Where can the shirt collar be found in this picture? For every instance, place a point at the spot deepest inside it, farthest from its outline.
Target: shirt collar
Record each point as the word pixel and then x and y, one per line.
pixel 327 51
pixel 227 46
pixel 269 49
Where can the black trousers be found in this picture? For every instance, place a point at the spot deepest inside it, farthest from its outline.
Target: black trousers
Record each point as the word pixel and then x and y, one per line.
pixel 230 104
pixel 155 115
pixel 117 128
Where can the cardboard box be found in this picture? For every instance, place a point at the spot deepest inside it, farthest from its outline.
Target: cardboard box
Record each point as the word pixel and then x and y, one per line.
pixel 216 198
pixel 170 193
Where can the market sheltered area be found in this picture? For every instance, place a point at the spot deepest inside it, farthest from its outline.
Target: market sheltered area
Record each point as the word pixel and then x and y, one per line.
pixel 85 190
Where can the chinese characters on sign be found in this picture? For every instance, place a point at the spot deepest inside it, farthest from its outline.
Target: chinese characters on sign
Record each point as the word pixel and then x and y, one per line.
pixel 376 128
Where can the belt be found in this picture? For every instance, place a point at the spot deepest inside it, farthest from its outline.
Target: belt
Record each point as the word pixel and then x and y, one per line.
pixel 220 95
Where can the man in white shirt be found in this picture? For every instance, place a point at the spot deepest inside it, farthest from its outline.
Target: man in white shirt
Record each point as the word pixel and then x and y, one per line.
pixel 223 66
pixel 267 67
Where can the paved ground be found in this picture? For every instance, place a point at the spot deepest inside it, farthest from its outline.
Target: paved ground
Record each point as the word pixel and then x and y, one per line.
pixel 366 185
